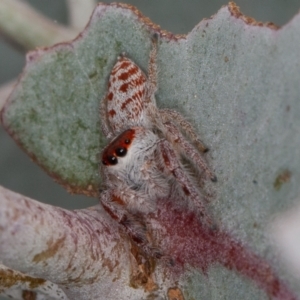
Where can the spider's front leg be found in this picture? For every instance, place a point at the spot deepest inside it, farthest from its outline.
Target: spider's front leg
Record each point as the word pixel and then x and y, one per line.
pixel 187 149
pixel 173 166
pixel 103 118
pixel 169 115
pixel 151 87
pixel 134 227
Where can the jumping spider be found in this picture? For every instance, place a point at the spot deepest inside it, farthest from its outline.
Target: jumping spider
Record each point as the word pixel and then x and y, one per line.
pixel 142 163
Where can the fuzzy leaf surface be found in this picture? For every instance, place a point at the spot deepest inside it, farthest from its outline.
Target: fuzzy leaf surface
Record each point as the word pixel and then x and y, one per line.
pixel 235 80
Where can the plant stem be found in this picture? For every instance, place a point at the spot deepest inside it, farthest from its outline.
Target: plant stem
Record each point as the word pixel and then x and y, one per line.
pixel 28 28
pixel 80 12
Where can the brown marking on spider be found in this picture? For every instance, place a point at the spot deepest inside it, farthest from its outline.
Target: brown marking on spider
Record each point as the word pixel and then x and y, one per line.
pixel 112 113
pixel 124 104
pixel 124 87
pixel 110 96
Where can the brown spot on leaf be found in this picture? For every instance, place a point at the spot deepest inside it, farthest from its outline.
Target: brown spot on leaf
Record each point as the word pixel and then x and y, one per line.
pixel 175 294
pixel 53 247
pixel 141 277
pixel 142 268
pixel 282 178
pixel 9 278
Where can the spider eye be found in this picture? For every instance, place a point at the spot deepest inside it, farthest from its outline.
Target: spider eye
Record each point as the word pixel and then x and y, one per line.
pixel 121 151
pixel 110 160
pixel 127 141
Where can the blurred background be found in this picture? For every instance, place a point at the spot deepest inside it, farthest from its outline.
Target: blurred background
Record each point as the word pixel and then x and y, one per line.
pixel 17 172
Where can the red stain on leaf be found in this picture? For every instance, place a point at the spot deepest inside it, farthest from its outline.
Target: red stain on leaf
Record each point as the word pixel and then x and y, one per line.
pixel 192 243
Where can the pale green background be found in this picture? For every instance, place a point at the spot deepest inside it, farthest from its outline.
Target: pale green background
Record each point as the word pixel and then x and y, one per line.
pixel 18 172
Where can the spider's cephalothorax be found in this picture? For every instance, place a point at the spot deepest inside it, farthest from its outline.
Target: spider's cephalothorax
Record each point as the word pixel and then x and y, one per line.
pixel 132 162
pixel 139 169
pixel 143 162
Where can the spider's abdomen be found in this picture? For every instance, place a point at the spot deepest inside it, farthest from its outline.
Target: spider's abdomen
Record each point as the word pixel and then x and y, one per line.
pixel 125 96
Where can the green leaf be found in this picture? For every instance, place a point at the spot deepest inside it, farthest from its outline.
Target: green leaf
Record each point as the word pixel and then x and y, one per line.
pixel 237 81
pixel 53 111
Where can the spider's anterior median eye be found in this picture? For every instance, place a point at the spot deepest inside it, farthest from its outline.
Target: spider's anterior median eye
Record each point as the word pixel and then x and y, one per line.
pixel 112 160
pixel 121 151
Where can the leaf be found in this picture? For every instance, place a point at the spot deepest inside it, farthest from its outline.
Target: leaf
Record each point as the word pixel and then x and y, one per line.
pixel 235 79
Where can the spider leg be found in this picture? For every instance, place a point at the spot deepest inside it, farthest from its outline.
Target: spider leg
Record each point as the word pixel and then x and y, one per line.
pixel 133 225
pixel 132 197
pixel 169 115
pixel 103 118
pixel 173 165
pixel 187 149
pixel 152 71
